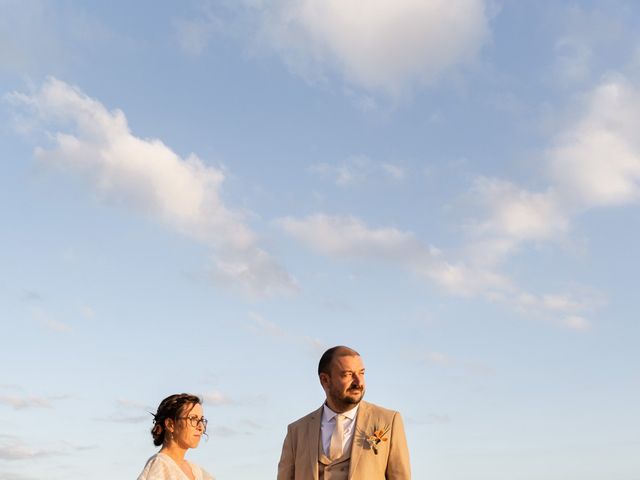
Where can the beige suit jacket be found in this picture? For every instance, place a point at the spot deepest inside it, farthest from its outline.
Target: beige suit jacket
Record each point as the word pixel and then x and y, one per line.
pixel 299 459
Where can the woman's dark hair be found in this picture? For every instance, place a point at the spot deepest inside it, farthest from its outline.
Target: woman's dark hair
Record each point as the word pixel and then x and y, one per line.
pixel 171 407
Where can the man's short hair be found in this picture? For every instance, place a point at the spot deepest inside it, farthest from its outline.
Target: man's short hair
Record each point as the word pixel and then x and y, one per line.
pixel 324 366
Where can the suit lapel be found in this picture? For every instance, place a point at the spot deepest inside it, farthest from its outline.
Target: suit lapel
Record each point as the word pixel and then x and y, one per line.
pixel 313 440
pixel 361 429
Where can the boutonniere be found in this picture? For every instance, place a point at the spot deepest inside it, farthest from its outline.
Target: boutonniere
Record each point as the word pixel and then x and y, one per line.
pixel 378 435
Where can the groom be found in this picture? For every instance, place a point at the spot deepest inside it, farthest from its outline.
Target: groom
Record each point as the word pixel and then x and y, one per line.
pixel 346 438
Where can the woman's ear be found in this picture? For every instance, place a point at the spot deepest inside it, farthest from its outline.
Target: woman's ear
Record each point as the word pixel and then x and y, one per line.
pixel 169 425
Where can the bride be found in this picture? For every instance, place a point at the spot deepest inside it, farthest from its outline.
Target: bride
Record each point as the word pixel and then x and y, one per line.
pixel 177 426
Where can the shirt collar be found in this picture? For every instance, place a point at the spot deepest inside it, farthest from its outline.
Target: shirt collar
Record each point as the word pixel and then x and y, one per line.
pixel 328 414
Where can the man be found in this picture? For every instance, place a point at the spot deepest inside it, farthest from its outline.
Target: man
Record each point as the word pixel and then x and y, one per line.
pixel 346 438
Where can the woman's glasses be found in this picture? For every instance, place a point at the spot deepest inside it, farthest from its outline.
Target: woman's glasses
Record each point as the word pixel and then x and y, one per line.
pixel 194 421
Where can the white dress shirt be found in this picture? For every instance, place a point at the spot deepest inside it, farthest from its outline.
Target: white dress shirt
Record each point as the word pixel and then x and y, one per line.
pixel 328 424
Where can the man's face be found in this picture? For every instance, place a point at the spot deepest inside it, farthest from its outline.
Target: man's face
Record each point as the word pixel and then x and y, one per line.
pixel 344 385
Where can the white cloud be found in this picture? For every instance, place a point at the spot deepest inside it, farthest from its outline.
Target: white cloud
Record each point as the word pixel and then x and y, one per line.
pixel 567 309
pixel 573 60
pixel 394 171
pixel 5 475
pixel 517 213
pixel 39 35
pixel 470 367
pixel 593 40
pixel 217 398
pixel 26 36
pixel 376 44
pixel 87 312
pixel 596 161
pixel 512 216
pixel 261 326
pixel 14 449
pixel 438 358
pixel 146 175
pixel 349 237
pixel 576 322
pixel 194 34
pixel 21 403
pixel 130 412
pixel 462 279
pixel 47 320
pixel 358 169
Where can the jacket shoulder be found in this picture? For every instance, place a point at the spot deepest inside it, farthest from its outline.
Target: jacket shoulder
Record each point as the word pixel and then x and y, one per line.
pixel 306 419
pixel 378 410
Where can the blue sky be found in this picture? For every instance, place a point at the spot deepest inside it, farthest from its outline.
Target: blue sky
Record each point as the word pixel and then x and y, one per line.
pixel 202 196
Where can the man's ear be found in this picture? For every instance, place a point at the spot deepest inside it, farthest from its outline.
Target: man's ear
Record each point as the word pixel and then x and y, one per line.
pixel 325 379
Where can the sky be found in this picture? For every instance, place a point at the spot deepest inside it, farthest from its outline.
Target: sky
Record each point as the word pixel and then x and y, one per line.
pixel 203 196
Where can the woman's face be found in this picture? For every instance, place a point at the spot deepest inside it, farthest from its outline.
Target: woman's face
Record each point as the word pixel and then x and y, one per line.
pixel 185 434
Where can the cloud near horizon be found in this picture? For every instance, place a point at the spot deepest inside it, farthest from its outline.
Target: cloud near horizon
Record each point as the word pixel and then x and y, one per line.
pixel 262 327
pixel 14 449
pixel 25 402
pixel 217 398
pixel 350 237
pixel 145 175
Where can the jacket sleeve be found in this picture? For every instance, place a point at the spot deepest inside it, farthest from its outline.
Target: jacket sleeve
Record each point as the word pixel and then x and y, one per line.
pixel 398 465
pixel 286 465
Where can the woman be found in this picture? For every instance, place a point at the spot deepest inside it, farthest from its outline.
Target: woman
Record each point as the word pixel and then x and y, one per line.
pixel 177 426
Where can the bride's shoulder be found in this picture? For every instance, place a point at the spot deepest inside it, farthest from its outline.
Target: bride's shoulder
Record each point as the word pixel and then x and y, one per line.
pixel 156 468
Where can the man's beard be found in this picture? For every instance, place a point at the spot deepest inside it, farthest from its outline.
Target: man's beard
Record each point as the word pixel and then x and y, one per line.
pixel 353 396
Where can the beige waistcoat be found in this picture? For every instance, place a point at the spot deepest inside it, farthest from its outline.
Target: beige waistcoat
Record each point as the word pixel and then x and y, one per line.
pixel 336 470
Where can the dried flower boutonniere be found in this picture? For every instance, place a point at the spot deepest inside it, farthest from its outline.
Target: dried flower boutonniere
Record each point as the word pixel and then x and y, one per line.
pixel 376 437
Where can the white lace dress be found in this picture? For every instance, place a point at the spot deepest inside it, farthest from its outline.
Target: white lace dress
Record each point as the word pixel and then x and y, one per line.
pixel 162 467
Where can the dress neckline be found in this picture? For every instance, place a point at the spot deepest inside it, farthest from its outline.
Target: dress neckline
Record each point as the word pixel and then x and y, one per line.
pixel 178 466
